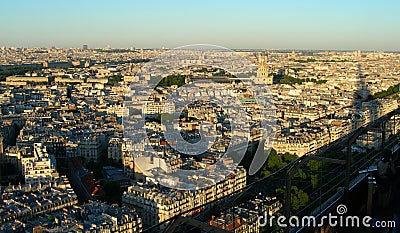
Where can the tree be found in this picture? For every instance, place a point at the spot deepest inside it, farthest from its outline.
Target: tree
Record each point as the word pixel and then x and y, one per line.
pixel 300 174
pixel 314 165
pixel 303 198
pixel 170 80
pixel 114 79
pixel 165 117
pixel 288 158
pixel 299 198
pixel 275 162
pixel 314 181
pixel 264 172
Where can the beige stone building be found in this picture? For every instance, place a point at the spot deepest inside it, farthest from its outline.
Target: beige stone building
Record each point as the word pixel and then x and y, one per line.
pixel 156 204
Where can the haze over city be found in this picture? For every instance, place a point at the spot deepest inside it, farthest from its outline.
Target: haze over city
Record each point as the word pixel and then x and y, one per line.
pixel 288 24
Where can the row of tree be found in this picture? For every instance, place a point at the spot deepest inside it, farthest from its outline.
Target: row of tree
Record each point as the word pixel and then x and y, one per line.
pixel 391 90
pixel 6 71
pixel 287 79
pixel 170 80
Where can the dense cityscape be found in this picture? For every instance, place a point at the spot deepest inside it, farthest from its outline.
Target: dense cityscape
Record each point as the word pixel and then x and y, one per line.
pixel 66 164
pixel 181 117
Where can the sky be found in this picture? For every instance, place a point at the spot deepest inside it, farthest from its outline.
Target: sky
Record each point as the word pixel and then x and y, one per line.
pixel 269 24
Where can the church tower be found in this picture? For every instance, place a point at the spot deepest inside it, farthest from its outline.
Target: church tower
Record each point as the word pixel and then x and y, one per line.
pixel 263 70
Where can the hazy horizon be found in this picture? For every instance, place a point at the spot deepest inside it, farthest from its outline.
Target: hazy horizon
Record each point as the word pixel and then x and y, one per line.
pixel 288 50
pixel 283 25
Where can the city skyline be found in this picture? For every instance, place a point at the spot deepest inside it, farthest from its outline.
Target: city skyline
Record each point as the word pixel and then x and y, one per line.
pixel 289 24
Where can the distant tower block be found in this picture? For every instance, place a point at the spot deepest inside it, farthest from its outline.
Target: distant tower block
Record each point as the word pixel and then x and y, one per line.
pixel 263 70
pixel 85 47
